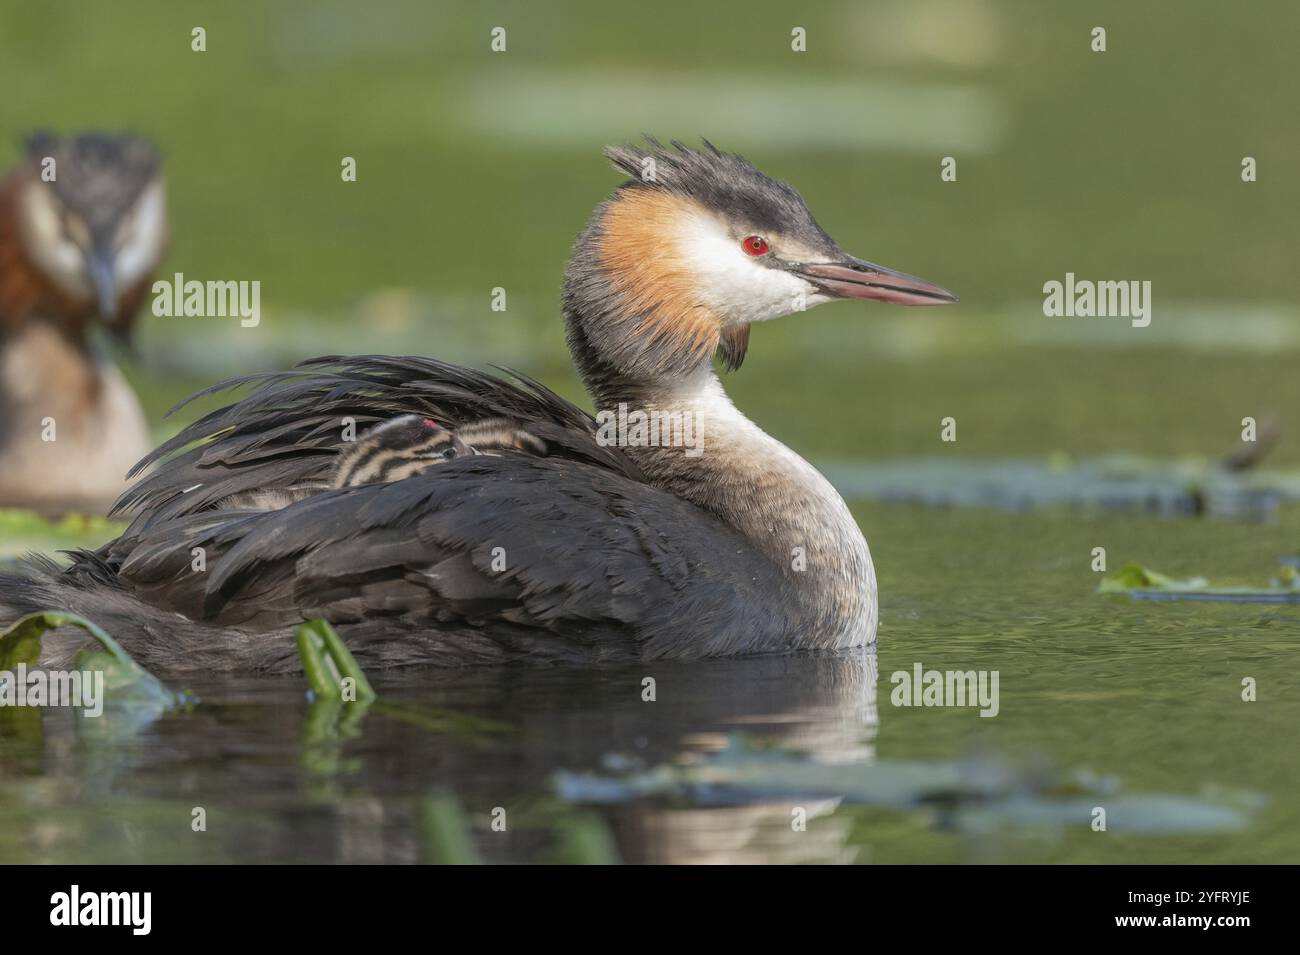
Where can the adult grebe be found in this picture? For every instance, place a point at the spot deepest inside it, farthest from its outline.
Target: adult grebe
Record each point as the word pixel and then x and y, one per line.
pixel 591 551
pixel 82 227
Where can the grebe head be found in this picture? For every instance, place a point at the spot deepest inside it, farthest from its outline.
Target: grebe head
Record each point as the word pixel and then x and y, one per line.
pixel 690 252
pixel 93 222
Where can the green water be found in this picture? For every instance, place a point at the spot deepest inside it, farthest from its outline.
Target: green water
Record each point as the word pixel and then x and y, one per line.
pixel 477 171
pixel 1144 696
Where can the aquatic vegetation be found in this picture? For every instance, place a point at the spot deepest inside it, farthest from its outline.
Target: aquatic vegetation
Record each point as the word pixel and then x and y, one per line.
pixel 446 832
pixel 1132 577
pixel 128 683
pixel 1146 584
pixel 329 666
pixel 1117 482
pixel 341 696
pixel 585 839
pixel 109 682
pixel 582 837
pixel 963 795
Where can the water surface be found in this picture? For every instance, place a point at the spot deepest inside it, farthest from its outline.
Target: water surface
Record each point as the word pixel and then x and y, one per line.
pixel 1104 701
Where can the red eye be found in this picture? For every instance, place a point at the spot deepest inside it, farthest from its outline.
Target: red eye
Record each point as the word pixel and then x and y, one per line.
pixel 755 245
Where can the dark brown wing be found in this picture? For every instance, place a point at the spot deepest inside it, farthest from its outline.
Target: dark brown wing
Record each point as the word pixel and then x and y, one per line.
pixel 289 430
pixel 481 559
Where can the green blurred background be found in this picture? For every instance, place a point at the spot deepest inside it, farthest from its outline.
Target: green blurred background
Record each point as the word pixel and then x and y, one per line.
pixel 477 169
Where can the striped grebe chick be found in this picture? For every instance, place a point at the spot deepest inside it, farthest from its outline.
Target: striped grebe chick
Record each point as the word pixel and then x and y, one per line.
pixel 409 445
pixel 397 449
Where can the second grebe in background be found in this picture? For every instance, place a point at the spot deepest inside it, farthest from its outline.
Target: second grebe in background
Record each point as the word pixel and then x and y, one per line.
pixel 82 227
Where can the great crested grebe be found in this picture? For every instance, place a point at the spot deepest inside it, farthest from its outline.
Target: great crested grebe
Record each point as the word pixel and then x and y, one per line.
pixel 590 552
pixel 82 227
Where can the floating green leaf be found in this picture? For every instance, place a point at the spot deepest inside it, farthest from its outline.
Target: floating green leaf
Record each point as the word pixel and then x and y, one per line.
pixel 1146 584
pixel 1136 577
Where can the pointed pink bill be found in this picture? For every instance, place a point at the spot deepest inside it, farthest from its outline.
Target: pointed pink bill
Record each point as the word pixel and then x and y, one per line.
pixel 855 278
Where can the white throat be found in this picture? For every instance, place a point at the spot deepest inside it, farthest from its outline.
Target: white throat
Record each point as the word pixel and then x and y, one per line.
pixel 776 499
